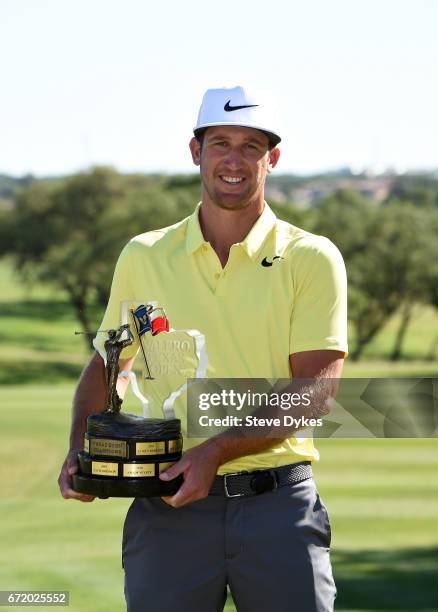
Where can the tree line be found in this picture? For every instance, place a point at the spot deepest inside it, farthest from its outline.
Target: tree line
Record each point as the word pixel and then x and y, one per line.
pixel 69 233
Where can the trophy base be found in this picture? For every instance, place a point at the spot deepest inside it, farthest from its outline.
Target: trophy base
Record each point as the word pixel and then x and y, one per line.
pixel 128 487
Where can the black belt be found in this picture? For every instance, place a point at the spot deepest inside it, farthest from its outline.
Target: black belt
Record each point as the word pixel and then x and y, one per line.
pixel 240 484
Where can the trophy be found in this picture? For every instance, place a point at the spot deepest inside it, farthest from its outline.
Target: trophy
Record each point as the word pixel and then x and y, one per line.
pixel 124 454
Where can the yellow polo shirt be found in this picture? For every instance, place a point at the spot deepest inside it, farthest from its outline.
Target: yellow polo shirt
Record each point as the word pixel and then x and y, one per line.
pixel 252 316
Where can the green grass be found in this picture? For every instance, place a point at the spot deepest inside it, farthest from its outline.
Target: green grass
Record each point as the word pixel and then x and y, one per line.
pixel 382 496
pixel 37 335
pixel 12 288
pixel 422 331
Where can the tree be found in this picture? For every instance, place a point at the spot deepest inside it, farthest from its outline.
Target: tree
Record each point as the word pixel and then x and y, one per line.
pixel 391 274
pixel 344 217
pixel 55 234
pixel 388 252
pixel 69 233
pixel 430 277
pixel 417 189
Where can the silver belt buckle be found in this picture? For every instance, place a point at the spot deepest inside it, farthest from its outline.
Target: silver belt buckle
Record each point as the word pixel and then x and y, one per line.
pixel 227 493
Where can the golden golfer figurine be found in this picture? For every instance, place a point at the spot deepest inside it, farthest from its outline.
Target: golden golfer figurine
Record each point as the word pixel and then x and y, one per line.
pixel 124 454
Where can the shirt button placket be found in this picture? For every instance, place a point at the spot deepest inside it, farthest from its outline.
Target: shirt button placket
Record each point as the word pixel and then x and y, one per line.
pixel 221 282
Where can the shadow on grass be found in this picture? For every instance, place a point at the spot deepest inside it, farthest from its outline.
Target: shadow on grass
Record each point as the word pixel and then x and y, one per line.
pixel 405 579
pixel 17 373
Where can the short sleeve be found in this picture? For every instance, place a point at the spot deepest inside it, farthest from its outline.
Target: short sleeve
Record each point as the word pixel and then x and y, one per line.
pixel 117 310
pixel 319 313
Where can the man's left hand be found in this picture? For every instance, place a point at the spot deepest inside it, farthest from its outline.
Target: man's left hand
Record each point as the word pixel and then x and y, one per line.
pixel 198 467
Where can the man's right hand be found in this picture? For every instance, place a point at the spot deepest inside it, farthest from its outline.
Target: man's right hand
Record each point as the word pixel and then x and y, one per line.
pixel 65 481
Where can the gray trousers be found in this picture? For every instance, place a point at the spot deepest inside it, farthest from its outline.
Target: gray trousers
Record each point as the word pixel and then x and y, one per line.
pixel 271 549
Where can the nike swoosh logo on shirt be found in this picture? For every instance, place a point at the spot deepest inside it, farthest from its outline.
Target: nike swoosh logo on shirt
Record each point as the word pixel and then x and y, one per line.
pixel 268 264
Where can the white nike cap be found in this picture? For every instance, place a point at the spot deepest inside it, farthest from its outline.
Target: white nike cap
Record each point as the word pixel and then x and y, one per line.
pixel 235 106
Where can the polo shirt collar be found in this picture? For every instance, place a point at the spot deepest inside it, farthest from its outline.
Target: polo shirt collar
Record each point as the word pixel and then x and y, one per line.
pixel 251 244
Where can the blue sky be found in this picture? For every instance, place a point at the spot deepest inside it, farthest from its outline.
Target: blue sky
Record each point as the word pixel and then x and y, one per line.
pixel 120 83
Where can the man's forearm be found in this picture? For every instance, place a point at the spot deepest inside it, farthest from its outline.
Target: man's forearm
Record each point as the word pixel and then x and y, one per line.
pixel 241 441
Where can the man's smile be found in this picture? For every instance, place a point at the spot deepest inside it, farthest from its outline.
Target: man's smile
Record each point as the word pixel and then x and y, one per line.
pixel 232 180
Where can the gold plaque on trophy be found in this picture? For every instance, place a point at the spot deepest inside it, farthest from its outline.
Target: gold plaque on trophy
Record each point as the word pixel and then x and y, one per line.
pixel 103 468
pixel 108 447
pixel 150 448
pixel 138 470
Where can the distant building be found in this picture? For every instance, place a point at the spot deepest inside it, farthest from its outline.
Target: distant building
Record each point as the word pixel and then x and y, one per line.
pixel 314 189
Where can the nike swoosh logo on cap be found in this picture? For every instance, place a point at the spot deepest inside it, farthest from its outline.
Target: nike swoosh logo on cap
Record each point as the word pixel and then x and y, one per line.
pixel 228 108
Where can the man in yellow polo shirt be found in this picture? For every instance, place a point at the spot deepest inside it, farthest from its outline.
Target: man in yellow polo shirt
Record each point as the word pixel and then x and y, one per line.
pixel 269 301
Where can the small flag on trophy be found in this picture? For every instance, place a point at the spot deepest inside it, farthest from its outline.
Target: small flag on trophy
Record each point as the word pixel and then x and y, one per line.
pixel 141 314
pixel 151 318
